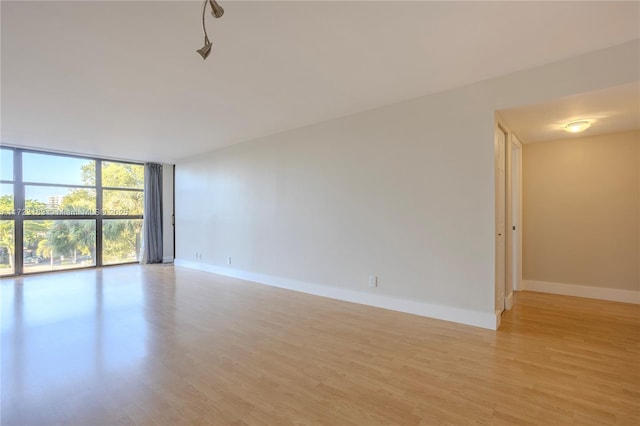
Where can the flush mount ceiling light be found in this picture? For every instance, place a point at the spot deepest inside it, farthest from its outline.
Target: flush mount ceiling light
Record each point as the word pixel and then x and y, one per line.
pixel 217 11
pixel 577 126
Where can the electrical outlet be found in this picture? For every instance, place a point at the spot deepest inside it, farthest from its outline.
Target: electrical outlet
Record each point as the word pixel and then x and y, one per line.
pixel 229 260
pixel 373 281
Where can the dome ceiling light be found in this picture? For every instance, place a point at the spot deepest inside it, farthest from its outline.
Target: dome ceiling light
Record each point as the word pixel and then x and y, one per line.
pixel 577 126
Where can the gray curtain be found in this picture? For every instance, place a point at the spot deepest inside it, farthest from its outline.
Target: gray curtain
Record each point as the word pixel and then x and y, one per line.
pixel 152 227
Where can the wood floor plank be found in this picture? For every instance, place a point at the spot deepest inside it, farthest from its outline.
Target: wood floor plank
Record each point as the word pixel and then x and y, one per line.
pixel 161 345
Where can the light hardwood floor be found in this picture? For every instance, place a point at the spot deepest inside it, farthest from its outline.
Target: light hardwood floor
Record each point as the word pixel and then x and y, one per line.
pixel 168 346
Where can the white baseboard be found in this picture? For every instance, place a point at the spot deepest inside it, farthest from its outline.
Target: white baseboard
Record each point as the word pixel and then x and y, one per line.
pixel 167 259
pixel 446 313
pixel 611 294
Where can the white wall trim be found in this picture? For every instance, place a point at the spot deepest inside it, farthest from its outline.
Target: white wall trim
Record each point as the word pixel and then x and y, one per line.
pixel 167 259
pixel 446 313
pixel 611 294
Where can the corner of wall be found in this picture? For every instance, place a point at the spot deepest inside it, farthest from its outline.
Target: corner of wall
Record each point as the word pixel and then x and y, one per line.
pixel 167 213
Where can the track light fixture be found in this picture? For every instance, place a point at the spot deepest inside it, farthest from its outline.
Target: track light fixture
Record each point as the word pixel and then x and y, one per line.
pixel 217 11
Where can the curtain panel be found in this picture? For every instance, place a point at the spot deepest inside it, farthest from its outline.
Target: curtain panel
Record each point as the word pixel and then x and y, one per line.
pixel 152 223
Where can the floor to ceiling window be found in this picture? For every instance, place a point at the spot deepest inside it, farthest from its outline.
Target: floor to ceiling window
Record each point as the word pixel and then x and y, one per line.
pixel 65 212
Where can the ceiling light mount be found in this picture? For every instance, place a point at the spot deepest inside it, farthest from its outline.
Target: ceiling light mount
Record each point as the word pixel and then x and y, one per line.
pixel 577 126
pixel 216 11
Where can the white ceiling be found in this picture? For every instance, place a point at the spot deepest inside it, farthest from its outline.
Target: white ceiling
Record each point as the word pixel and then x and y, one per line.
pixel 122 79
pixel 615 109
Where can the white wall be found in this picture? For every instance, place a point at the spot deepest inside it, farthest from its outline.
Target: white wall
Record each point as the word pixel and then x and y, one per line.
pixel 405 192
pixel 167 213
pixel 581 214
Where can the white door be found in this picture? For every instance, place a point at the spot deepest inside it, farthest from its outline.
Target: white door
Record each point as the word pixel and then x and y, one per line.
pixel 500 159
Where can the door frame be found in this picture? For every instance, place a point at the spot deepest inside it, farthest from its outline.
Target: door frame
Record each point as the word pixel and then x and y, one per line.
pixel 513 190
pixel 514 218
pixel 501 272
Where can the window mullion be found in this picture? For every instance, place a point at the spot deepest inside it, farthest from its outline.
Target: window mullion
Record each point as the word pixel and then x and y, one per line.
pixel 19 208
pixel 100 215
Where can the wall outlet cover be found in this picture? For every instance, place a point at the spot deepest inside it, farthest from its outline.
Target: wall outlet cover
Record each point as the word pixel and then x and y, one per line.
pixel 373 281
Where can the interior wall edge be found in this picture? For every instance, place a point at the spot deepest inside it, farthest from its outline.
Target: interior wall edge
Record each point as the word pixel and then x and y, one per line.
pixel 167 213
